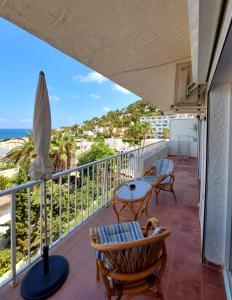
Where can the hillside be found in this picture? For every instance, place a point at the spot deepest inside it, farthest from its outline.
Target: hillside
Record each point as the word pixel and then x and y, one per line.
pixel 121 118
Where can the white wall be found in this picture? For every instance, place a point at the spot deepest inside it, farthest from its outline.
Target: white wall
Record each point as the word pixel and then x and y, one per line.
pixel 218 167
pixel 183 127
pixel 202 171
pixel 148 159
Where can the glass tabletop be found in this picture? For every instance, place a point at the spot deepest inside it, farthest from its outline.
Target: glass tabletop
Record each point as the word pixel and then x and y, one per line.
pixel 141 188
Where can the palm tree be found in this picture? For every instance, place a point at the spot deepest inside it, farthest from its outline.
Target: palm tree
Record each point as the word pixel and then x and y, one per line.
pixel 22 154
pixel 63 149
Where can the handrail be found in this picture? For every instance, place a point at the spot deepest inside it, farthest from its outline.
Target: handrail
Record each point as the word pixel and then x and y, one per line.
pixel 59 174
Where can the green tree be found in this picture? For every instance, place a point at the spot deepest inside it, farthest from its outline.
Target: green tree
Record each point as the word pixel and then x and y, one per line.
pixel 62 151
pixel 5 260
pixel 22 154
pixel 97 151
pixel 3 182
pixel 137 133
pixel 165 133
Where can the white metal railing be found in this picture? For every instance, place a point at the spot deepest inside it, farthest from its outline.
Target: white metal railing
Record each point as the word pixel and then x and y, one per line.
pixel 72 196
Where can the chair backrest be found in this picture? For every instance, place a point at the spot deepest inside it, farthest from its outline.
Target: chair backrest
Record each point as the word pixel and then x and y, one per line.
pixel 135 256
pixel 163 166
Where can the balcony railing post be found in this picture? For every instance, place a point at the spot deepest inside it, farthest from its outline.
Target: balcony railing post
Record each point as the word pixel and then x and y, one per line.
pixel 87 190
pixel 106 180
pixel 75 199
pixel 29 224
pixel 60 207
pixel 68 202
pixel 82 187
pixel 51 214
pixel 13 239
pixel 93 170
pixel 41 218
pixel 97 178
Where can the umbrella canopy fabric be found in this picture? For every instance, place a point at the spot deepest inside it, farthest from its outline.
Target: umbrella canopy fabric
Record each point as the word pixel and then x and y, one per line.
pixel 41 167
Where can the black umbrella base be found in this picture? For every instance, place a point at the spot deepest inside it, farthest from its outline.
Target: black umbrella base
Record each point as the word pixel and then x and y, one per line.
pixel 37 286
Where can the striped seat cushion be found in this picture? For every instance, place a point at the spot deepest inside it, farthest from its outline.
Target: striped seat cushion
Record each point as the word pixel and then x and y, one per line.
pixel 163 167
pixel 119 233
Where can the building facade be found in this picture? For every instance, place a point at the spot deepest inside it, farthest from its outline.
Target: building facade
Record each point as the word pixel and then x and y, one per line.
pixel 158 123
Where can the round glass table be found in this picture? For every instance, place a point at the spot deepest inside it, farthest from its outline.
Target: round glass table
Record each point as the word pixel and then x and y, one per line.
pixel 131 199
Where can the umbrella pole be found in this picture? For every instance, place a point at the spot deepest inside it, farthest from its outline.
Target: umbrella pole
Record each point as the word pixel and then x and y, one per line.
pixel 45 247
pixel 48 274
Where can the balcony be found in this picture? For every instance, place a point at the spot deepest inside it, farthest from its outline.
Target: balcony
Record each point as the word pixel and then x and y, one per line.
pixel 185 276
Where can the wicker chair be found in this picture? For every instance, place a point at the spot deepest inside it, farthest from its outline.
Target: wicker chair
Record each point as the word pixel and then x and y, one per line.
pixel 130 268
pixel 161 176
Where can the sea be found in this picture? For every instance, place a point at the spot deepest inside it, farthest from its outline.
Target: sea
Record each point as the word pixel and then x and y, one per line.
pixel 13 133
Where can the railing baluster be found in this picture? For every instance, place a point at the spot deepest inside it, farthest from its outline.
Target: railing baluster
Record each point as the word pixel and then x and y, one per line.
pixel 82 186
pixel 51 214
pixel 60 207
pixel 29 224
pixel 88 189
pixel 120 168
pixel 128 177
pixel 93 189
pixel 102 184
pixel 106 180
pixel 68 201
pixel 75 199
pixel 133 165
pixel 97 185
pixel 117 168
pixel 13 239
pixel 110 165
pixel 41 218
pixel 115 173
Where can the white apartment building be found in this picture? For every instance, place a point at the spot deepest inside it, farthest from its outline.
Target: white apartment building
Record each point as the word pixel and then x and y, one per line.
pixel 158 123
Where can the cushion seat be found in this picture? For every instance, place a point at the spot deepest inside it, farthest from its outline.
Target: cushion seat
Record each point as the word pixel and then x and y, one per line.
pixel 118 233
pixel 151 179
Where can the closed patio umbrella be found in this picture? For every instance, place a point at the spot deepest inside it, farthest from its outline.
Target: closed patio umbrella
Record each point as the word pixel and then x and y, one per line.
pixel 46 277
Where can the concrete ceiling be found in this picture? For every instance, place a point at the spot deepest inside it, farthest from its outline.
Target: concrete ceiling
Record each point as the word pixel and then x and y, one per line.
pixel 136 43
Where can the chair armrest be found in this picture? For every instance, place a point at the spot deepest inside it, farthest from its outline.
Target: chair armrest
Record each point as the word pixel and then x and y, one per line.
pixel 151 224
pixel 161 178
pixel 149 170
pixel 93 236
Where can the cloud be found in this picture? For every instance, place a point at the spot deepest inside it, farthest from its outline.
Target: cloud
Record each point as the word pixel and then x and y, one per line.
pixel 2 120
pixel 54 97
pixel 106 109
pixel 91 77
pixel 95 96
pixel 119 88
pixel 28 120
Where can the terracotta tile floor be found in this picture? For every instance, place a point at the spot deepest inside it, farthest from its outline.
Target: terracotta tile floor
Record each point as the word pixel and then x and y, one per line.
pixel 185 277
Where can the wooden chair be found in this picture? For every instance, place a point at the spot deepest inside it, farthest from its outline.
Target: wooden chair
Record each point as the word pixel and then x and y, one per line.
pixel 161 176
pixel 130 268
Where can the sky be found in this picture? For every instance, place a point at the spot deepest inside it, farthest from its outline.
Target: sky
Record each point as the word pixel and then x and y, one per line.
pixel 76 92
